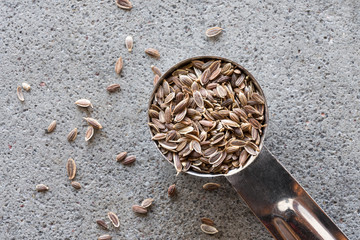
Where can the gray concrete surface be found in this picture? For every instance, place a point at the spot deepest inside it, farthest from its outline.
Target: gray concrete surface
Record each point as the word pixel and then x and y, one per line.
pixel 305 54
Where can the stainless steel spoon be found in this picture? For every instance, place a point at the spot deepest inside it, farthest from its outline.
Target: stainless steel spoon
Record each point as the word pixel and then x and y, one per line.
pixel 270 191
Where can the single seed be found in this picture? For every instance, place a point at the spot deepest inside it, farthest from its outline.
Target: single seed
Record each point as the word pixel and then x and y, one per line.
pixel 211 186
pixel 83 103
pixel 172 190
pixel 72 135
pixel 152 52
pixel 129 160
pixel 105 237
pixel 129 43
pixel 20 94
pixel 71 168
pixel 124 4
pixel 76 185
pixel 119 65
pixel 156 70
pixel 139 209
pixel 214 31
pixel 207 221
pixel 147 202
pixel 113 87
pixel 51 127
pixel 102 224
pixel 121 156
pixel 114 219
pixel 93 122
pixel 42 188
pixel 156 79
pixel 26 86
pixel 208 229
pixel 89 133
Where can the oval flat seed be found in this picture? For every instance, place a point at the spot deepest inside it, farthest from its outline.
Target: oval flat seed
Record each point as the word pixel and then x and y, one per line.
pixel 124 4
pixel 156 70
pixel 89 133
pixel 83 103
pixel 211 186
pixel 147 202
pixel 105 237
pixel 119 65
pixel 172 190
pixel 51 127
pixel 76 185
pixel 152 52
pixel 102 224
pixel 71 168
pixel 207 221
pixel 129 43
pixel 139 209
pixel 129 160
pixel 156 79
pixel 114 219
pixel 208 229
pixel 121 156
pixel 93 122
pixel 72 135
pixel 19 94
pixel 42 188
pixel 26 86
pixel 198 99
pixel 113 87
pixel 214 31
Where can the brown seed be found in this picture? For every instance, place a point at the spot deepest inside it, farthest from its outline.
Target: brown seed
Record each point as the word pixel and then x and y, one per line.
pixel 102 224
pixel 139 209
pixel 214 31
pixel 124 4
pixel 211 186
pixel 152 52
pixel 89 133
pixel 71 168
pixel 93 122
pixel 72 135
pixel 208 229
pixel 20 94
pixel 83 103
pixel 114 219
pixel 42 188
pixel 119 65
pixel 204 79
pixel 172 190
pixel 156 79
pixel 156 70
pixel 129 43
pixel 121 156
pixel 51 127
pixel 105 237
pixel 129 160
pixel 198 99
pixel 147 202
pixel 76 185
pixel 113 87
pixel 26 86
pixel 207 221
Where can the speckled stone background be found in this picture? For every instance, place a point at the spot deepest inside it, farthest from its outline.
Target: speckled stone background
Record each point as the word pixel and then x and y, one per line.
pixel 305 54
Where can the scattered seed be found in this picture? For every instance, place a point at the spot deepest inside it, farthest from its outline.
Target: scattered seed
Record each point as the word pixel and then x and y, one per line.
pixel 207 221
pixel 124 4
pixel 129 43
pixel 26 86
pixel 147 202
pixel 214 31
pixel 83 103
pixel 105 237
pixel 172 190
pixel 208 229
pixel 89 133
pixel 211 186
pixel 93 122
pixel 51 127
pixel 156 71
pixel 71 168
pixel 129 160
pixel 114 219
pixel 42 188
pixel 152 52
pixel 102 224
pixel 76 185
pixel 119 65
pixel 20 94
pixel 113 87
pixel 139 209
pixel 72 135
pixel 121 156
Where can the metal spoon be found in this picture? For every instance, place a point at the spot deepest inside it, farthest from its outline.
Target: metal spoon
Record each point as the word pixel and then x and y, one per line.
pixel 270 191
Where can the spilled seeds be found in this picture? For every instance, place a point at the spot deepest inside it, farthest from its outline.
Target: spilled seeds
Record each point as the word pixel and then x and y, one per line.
pixel 129 43
pixel 51 127
pixel 42 188
pixel 89 133
pixel 113 87
pixel 119 65
pixel 72 135
pixel 71 168
pixel 114 219
pixel 214 31
pixel 124 4
pixel 102 224
pixel 19 94
pixel 172 190
pixel 152 52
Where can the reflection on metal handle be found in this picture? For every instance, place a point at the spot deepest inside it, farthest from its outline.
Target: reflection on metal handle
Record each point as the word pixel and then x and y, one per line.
pixel 280 203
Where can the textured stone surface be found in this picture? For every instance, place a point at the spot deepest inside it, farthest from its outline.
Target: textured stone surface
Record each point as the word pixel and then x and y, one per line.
pixel 304 54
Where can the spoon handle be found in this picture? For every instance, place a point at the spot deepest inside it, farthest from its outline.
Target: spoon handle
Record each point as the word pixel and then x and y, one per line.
pixel 280 203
